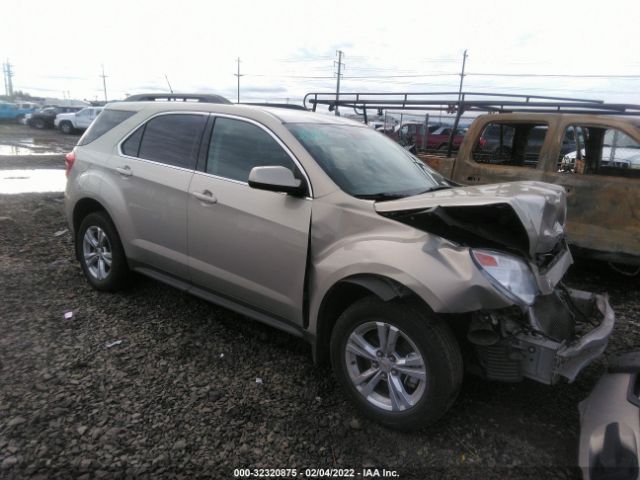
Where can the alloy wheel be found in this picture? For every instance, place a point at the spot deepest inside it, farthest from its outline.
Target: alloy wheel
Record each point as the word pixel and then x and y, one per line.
pixel 385 366
pixel 97 252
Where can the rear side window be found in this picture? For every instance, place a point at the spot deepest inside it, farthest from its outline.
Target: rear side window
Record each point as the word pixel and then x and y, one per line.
pixel 173 139
pixel 516 145
pixel 131 146
pixel 237 146
pixel 104 122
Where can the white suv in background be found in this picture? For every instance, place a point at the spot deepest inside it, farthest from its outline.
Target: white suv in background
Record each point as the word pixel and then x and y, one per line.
pixel 70 122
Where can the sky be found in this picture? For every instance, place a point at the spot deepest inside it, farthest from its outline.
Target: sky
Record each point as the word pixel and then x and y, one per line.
pixel 288 47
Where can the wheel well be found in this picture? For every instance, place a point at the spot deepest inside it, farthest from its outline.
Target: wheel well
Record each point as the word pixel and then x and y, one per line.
pixel 345 293
pixel 83 208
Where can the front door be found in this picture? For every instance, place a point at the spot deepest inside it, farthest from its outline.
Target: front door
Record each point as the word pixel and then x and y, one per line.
pixel 246 244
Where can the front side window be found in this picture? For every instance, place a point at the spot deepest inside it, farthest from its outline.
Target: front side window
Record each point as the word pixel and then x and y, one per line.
pixel 173 139
pixel 365 163
pixel 237 146
pixel 514 144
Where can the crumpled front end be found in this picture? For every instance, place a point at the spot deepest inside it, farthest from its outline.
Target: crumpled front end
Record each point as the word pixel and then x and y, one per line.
pixel 515 237
pixel 556 337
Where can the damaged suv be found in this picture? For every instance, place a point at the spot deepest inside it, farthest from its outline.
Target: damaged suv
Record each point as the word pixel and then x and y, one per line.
pixel 330 231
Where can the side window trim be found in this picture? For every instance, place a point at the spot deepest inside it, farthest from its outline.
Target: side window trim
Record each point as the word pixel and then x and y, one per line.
pixel 209 133
pixel 144 127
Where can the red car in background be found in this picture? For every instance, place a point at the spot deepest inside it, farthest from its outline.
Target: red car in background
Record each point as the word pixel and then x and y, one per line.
pixel 439 139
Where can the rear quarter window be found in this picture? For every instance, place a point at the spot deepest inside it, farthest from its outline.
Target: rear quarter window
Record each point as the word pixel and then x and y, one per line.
pixel 107 120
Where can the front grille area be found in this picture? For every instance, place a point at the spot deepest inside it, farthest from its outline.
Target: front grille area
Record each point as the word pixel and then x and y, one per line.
pixel 499 363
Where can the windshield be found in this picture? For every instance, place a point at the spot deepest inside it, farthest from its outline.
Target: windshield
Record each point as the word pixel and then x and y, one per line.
pixel 366 164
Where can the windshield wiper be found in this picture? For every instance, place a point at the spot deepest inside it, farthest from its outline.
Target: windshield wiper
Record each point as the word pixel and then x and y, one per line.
pixel 434 189
pixel 379 196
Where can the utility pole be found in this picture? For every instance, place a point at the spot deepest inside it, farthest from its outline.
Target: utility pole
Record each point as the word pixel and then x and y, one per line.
pixel 238 75
pixel 104 84
pixel 339 62
pixel 8 83
pixel 464 62
pixel 456 122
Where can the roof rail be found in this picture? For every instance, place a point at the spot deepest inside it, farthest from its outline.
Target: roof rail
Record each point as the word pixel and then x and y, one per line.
pixel 177 97
pixel 456 102
pixel 290 106
pixel 460 102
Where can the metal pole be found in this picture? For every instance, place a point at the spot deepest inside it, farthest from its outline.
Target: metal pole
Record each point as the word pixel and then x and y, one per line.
pixel 460 108
pixel 337 113
pixel 464 61
pixel 425 135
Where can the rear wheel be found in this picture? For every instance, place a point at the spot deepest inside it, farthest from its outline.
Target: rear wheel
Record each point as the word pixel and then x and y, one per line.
pixel 39 123
pixel 100 251
pixel 400 364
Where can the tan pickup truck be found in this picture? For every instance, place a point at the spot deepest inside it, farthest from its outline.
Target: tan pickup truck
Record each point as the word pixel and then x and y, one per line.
pixel 596 158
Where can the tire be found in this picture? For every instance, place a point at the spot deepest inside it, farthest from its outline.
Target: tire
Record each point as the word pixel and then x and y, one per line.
pixel 67 128
pixel 96 238
pixel 425 394
pixel 444 148
pixel 39 124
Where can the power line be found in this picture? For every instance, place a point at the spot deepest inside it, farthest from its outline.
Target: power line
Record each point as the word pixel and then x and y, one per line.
pixel 562 75
pixel 447 74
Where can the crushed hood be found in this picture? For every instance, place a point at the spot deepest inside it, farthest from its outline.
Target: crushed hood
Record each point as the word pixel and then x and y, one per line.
pixel 527 217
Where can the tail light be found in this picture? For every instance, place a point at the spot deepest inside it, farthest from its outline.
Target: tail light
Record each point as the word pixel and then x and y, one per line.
pixel 482 142
pixel 69 160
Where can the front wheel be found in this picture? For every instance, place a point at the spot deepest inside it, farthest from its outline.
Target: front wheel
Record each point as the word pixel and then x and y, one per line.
pixel 100 252
pixel 66 128
pixel 400 364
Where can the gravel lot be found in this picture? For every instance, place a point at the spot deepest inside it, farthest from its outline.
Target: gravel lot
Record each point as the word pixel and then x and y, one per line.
pixel 155 383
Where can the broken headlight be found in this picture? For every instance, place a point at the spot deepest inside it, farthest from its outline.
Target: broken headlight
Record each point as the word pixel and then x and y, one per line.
pixel 510 275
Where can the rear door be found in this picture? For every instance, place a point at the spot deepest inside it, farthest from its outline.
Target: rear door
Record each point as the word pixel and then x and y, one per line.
pixel 154 168
pixel 245 244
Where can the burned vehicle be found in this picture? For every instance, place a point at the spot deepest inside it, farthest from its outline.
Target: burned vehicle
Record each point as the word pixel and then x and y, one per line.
pixel 330 231
pixel 590 148
pixel 596 158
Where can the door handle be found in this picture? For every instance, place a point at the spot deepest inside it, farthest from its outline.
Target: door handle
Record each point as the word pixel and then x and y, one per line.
pixel 206 197
pixel 126 171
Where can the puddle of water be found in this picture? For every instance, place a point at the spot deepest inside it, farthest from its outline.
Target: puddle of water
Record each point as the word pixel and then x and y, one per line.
pixel 14 150
pixel 32 181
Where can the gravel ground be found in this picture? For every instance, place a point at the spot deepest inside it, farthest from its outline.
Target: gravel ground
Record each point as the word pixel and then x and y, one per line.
pixel 153 383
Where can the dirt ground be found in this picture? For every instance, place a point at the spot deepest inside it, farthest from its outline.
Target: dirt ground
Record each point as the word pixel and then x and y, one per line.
pixel 154 383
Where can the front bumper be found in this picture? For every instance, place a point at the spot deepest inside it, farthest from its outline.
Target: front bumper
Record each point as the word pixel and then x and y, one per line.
pixel 548 360
pixel 610 423
pixel 531 345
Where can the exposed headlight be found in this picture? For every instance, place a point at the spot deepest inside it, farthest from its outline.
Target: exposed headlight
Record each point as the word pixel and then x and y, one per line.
pixel 510 275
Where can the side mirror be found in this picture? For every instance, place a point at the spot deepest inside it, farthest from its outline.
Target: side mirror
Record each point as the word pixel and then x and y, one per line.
pixel 276 179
